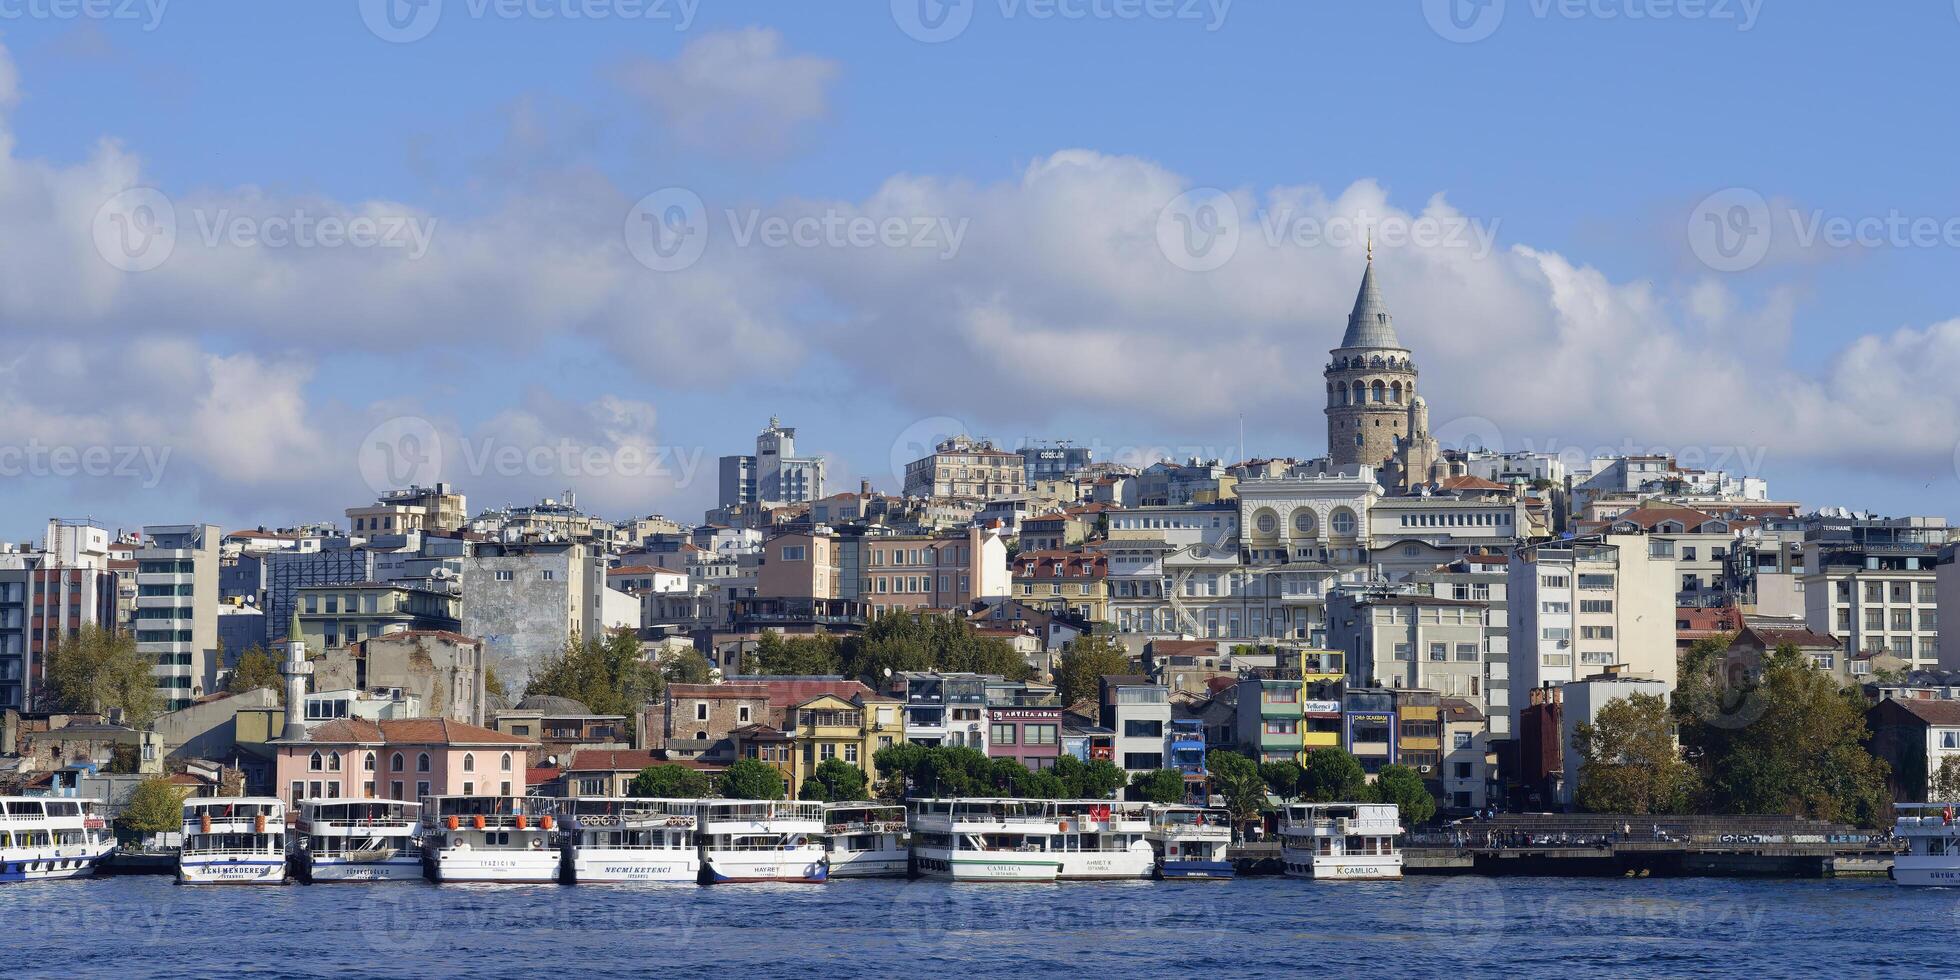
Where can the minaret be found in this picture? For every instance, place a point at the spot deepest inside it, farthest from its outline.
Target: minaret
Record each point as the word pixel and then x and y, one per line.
pixel 1371 383
pixel 297 669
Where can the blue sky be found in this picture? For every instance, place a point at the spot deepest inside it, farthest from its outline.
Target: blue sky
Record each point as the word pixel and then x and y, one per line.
pixel 1585 140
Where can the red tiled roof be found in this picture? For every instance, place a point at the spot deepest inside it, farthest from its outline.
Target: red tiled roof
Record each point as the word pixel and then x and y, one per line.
pixel 1648 516
pixel 611 760
pixel 1471 483
pixel 1771 638
pixel 732 689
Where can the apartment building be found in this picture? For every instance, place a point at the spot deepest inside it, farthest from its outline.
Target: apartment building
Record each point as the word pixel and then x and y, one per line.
pixel 1401 638
pixel 526 600
pixel 1581 606
pixel 1072 582
pixel 1139 712
pixel 964 467
pixel 1873 584
pixel 177 609
pixel 933 572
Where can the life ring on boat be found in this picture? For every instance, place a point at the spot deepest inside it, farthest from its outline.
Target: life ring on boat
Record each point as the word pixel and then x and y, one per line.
pixel 454 822
pixel 521 821
pixel 545 821
pixel 1064 826
pixel 477 821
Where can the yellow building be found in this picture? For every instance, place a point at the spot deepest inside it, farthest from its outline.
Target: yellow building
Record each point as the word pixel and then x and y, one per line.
pixel 830 726
pixel 1072 582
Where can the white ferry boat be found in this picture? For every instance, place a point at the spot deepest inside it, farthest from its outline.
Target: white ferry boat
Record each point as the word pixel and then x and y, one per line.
pixel 762 840
pixel 1190 841
pixel 1932 838
pixel 51 837
pixel 866 840
pixel 1101 839
pixel 490 838
pixel 233 840
pixel 1340 840
pixel 632 839
pixel 984 839
pixel 358 840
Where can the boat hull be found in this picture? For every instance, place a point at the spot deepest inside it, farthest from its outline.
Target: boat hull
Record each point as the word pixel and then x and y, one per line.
pixel 1301 864
pixel 1219 870
pixel 595 866
pixel 870 864
pixel 801 864
pixel 402 867
pixel 1106 865
pixel 1926 872
pixel 48 864
pixel 507 867
pixel 970 866
pixel 255 870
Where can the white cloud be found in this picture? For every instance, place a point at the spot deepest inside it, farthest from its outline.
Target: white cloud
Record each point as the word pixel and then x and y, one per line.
pixel 735 92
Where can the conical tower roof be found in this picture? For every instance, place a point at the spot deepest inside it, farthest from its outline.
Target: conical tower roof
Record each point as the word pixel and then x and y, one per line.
pixel 1370 325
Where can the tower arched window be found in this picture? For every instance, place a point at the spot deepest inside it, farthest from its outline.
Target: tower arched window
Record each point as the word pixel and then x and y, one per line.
pixel 1360 393
pixel 1377 362
pixel 1395 392
pixel 1377 392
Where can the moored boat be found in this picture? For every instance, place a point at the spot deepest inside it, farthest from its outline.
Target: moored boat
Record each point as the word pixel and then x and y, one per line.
pixel 1341 841
pixel 490 838
pixel 762 840
pixel 1190 841
pixel 233 841
pixel 358 840
pixel 1101 839
pixel 866 840
pixel 1932 838
pixel 609 839
pixel 984 839
pixel 51 837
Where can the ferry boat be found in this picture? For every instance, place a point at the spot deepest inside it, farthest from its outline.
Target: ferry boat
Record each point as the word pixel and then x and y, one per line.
pixel 984 839
pixel 866 840
pixel 1190 841
pixel 233 840
pixel 1101 839
pixel 762 840
pixel 51 837
pixel 1345 841
pixel 358 840
pixel 610 839
pixel 1932 839
pixel 490 838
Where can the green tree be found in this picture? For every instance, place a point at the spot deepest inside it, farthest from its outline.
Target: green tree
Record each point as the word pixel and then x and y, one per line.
pixel 900 641
pixel 1098 779
pixel 1236 778
pixel 1630 762
pixel 898 762
pixel 1944 783
pixel 668 781
pixel 256 669
pixel 97 670
pixel 494 684
pixel 798 655
pixel 1159 785
pixel 610 676
pixel 1333 775
pixel 1403 787
pixel 155 807
pixel 1805 755
pixel 835 781
pixel 751 779
pixel 1085 663
pixel 687 667
pixel 1282 779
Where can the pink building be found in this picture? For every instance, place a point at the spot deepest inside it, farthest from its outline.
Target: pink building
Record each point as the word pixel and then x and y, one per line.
pixel 933 573
pixel 403 759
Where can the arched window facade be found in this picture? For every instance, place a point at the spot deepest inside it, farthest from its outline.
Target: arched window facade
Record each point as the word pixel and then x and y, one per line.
pixel 316 763
pixel 422 762
pixel 1377 391
pixel 469 762
pixel 333 762
pixel 396 762
pixel 507 762
pixel 368 763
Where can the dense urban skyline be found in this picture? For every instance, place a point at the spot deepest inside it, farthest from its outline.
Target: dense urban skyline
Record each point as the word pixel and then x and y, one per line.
pixel 1045 172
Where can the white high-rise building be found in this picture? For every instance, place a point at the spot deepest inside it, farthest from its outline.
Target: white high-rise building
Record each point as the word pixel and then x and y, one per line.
pixel 1579 607
pixel 177 609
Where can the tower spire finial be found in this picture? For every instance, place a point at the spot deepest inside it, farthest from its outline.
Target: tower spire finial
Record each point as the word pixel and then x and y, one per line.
pixel 1371 245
